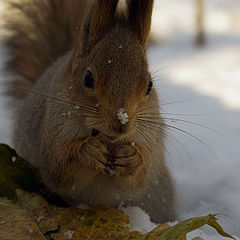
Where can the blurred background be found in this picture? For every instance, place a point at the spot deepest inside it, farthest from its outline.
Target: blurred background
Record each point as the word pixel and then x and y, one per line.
pixel 207 31
pixel 194 55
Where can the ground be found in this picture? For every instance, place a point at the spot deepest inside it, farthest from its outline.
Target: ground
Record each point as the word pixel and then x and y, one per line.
pixel 198 85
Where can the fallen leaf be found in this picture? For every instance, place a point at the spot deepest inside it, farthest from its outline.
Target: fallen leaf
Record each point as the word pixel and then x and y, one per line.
pixel 179 231
pixel 15 173
pixel 16 223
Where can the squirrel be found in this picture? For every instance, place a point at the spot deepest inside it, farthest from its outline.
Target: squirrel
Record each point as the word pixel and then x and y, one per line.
pixel 88 115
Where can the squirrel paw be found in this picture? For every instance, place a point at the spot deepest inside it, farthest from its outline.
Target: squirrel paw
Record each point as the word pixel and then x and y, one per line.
pixel 95 154
pixel 124 161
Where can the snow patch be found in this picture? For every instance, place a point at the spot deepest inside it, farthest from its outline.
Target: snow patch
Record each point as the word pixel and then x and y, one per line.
pixel 139 220
pixel 69 234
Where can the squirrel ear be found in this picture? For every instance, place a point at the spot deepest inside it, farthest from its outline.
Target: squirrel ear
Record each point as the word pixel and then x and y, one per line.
pixel 101 18
pixel 140 17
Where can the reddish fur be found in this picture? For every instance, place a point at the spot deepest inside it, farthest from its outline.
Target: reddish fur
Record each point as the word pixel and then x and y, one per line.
pixel 58 22
pixel 40 32
pixel 140 17
pixel 73 163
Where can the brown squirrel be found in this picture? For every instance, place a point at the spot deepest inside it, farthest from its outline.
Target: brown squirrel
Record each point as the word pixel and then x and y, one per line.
pixel 88 116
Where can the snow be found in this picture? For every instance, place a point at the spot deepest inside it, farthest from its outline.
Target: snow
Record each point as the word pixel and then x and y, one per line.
pixel 139 220
pixel 69 234
pixel 122 116
pixel 40 218
pixel 199 85
pixel 202 85
pixel 14 159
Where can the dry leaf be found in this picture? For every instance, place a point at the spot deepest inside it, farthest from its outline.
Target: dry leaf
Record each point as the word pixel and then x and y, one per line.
pixel 179 231
pixel 16 223
pixel 33 218
pixel 15 173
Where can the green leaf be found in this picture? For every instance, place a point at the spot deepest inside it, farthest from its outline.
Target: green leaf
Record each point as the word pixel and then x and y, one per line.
pixel 213 223
pixel 180 230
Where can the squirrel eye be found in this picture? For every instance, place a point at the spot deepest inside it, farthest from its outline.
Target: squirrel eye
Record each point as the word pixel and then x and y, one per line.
pixel 89 80
pixel 149 89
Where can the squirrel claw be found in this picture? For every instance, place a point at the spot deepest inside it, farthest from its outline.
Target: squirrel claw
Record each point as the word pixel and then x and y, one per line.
pixel 125 161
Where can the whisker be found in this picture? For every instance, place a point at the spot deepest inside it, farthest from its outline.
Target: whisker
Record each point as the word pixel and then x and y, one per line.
pixel 148 108
pixel 183 114
pixel 164 104
pixel 153 73
pixel 181 145
pixel 193 123
pixel 91 116
pixel 95 124
pixel 146 129
pixel 175 102
pixel 161 125
pixel 143 128
pixel 82 104
pixel 146 139
pixel 43 95
pixel 194 137
pixel 142 116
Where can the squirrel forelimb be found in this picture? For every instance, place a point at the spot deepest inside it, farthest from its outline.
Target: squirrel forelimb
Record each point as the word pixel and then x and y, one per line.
pixel 120 160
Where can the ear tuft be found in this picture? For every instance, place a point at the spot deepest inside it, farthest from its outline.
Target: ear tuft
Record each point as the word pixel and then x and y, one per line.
pixel 101 18
pixel 140 17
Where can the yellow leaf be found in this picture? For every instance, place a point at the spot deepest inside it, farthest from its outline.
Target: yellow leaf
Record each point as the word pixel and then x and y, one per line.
pixel 213 223
pixel 16 223
pixel 179 231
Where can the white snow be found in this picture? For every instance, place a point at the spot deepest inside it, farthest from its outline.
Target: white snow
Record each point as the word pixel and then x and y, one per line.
pixel 69 234
pixel 98 105
pixel 122 116
pixel 139 220
pixel 40 218
pixel 14 159
pixel 201 85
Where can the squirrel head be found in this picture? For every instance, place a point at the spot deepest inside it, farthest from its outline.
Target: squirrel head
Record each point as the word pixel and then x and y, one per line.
pixel 109 66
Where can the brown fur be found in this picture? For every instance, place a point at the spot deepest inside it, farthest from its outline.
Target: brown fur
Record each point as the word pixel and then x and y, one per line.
pixel 140 17
pixel 40 32
pixel 125 162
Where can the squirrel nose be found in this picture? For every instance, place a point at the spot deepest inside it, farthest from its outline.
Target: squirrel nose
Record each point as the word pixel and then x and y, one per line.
pixel 120 122
pixel 119 128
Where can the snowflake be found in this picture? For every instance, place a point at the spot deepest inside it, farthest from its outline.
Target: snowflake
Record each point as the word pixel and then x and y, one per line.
pixel 69 234
pixel 122 116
